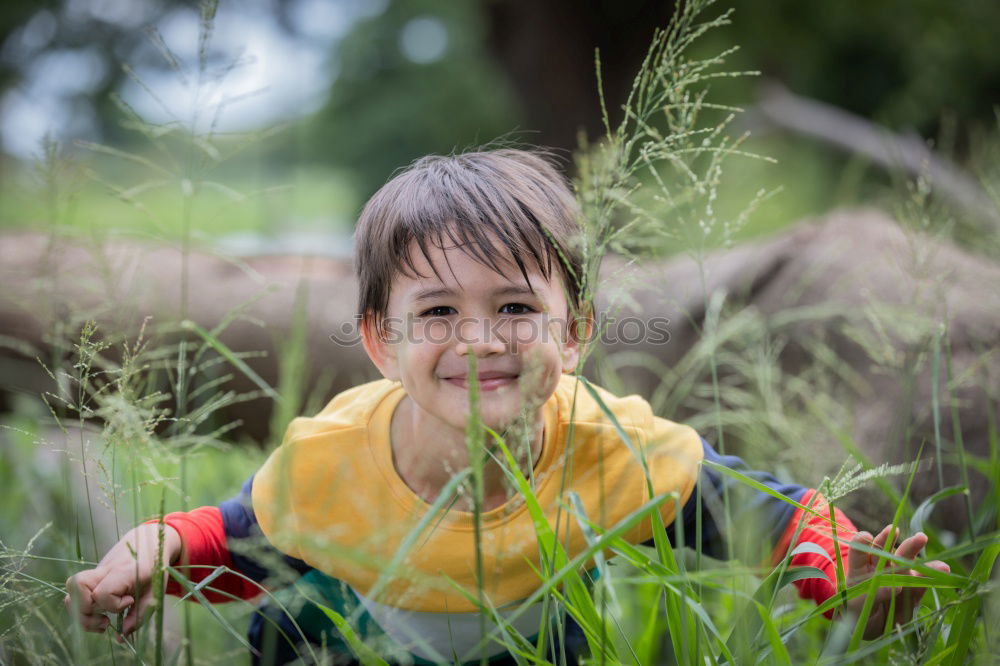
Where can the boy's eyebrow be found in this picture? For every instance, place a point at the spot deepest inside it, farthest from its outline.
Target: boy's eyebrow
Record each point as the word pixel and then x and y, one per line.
pixel 439 292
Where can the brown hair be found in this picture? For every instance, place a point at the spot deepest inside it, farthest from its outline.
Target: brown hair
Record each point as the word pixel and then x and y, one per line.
pixel 482 202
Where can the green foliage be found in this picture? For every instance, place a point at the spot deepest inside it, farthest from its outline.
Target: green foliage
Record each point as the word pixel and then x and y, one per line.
pixel 902 62
pixel 386 110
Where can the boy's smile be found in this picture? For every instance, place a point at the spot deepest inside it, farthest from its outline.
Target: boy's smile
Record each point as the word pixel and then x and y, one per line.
pixel 488 381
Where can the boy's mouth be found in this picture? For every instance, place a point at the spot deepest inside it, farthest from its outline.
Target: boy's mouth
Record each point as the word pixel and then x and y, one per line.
pixel 488 381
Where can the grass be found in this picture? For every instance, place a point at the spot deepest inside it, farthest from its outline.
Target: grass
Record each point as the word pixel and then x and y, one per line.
pixel 315 199
pixel 136 427
pixel 322 200
pixel 44 478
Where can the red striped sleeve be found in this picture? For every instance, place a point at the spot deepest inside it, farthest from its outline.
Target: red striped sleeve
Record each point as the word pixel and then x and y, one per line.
pixel 818 529
pixel 204 537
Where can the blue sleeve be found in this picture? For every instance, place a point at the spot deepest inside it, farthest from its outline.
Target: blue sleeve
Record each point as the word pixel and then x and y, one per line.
pixel 756 519
pixel 251 552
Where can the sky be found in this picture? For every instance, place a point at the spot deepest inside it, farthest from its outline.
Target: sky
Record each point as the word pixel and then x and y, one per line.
pixel 269 74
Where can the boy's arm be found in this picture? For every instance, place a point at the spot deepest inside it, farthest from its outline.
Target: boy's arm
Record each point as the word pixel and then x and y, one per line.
pixel 762 527
pixel 757 515
pixel 817 528
pixel 228 535
pixel 122 579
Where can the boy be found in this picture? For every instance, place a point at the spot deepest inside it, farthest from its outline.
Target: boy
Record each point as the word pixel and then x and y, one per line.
pixel 474 255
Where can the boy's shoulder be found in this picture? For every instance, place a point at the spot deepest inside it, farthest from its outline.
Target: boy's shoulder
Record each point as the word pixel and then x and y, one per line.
pixel 594 411
pixel 359 401
pixel 619 443
pixel 582 402
pixel 351 409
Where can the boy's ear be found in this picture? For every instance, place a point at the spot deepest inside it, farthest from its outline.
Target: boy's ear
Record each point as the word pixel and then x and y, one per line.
pixel 378 348
pixel 581 327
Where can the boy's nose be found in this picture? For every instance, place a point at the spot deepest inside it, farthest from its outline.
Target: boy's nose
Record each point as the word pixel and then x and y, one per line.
pixel 477 336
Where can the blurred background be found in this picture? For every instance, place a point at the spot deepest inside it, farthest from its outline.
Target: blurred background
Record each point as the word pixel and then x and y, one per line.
pixel 321 100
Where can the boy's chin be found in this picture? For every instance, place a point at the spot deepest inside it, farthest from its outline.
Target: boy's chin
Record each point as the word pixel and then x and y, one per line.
pixel 494 417
pixel 502 420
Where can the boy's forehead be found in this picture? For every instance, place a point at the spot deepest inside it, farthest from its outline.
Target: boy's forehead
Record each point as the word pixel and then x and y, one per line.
pixel 454 266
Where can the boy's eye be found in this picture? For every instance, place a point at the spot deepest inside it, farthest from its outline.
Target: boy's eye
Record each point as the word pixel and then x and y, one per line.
pixel 438 311
pixel 516 309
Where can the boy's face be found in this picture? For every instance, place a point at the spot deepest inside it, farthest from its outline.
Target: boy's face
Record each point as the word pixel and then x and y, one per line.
pixel 517 332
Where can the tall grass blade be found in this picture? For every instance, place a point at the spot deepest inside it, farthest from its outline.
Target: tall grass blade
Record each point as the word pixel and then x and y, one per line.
pixel 230 356
pixel 866 609
pixel 364 653
pixel 936 407
pixel 918 521
pixel 581 604
pixel 195 591
pixel 964 625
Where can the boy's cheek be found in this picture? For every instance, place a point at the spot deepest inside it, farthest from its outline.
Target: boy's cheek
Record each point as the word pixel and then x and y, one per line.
pixel 521 335
pixel 433 332
pixel 540 372
pixel 536 331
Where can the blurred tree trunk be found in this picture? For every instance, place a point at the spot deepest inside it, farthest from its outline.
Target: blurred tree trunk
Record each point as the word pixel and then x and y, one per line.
pixel 547 50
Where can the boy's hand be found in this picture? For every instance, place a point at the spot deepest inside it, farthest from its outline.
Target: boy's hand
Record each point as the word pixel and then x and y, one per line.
pixel 861 565
pixel 121 579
